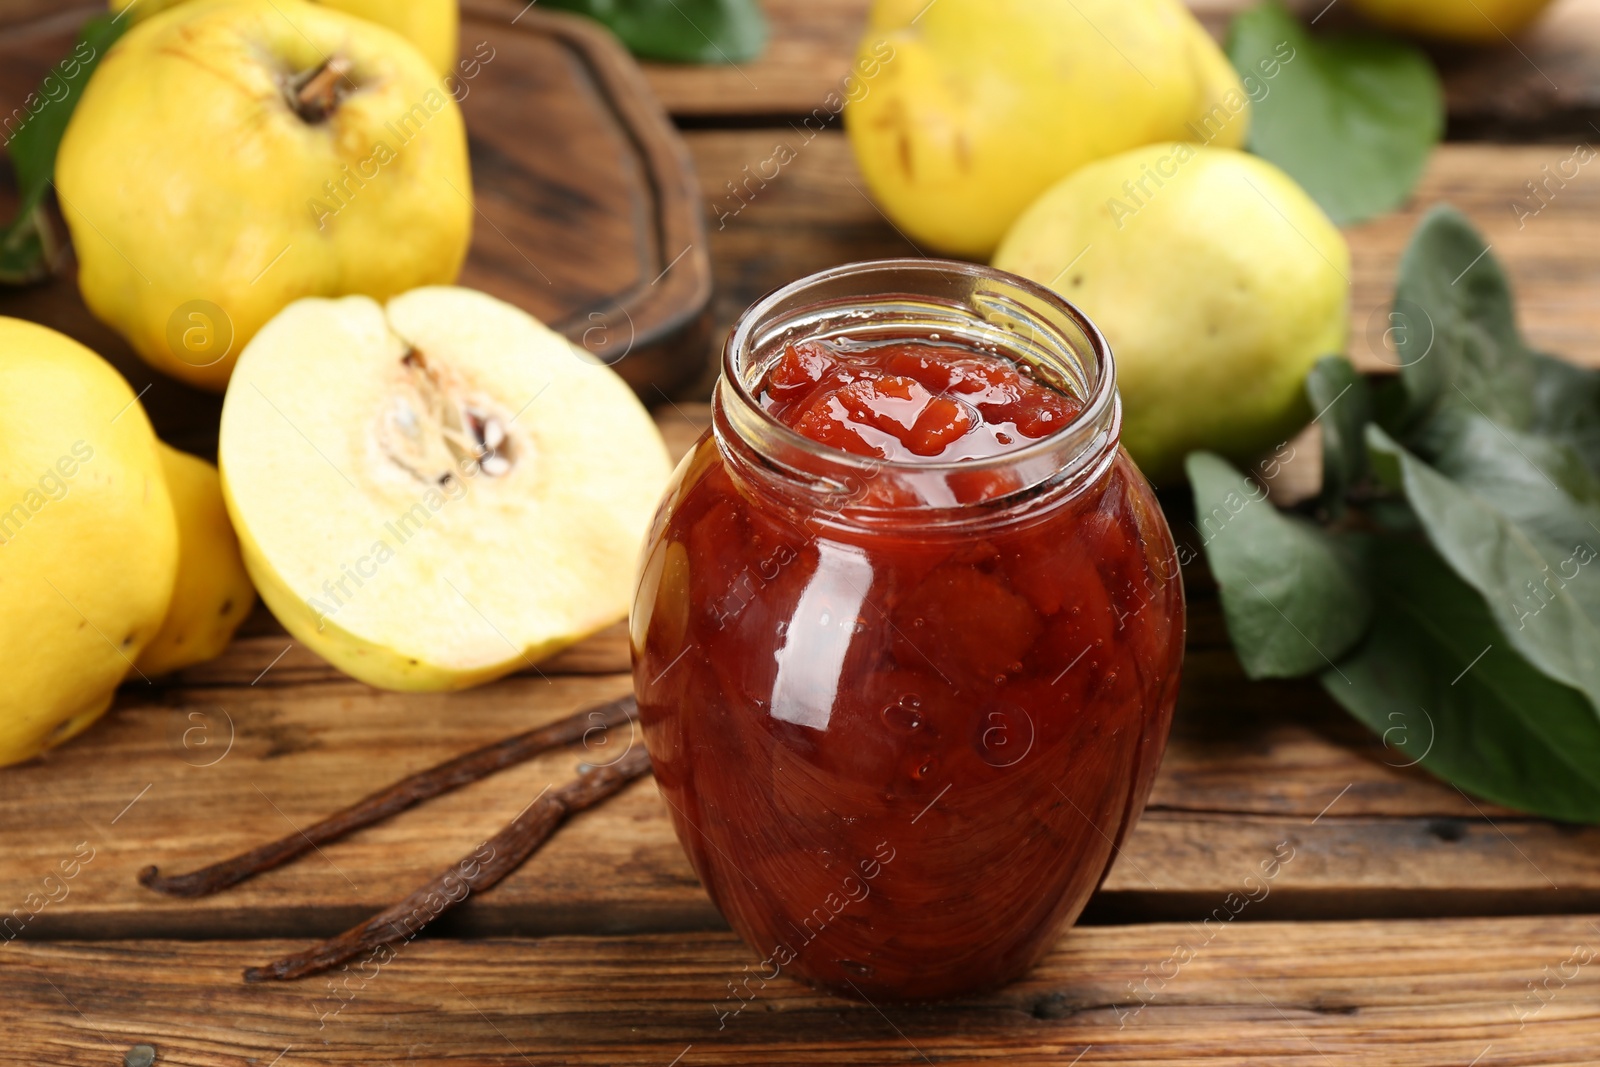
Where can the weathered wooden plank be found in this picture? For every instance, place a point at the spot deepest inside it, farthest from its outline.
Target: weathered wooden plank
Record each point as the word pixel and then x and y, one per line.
pixel 183 777
pixel 816 213
pixel 1406 994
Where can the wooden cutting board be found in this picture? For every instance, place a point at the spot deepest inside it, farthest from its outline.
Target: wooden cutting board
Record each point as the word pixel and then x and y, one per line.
pixel 588 210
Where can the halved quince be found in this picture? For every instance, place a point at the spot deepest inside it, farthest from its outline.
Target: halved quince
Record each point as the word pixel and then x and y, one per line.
pixel 435 492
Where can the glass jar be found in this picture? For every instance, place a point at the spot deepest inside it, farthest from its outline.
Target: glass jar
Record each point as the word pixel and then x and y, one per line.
pixel 902 736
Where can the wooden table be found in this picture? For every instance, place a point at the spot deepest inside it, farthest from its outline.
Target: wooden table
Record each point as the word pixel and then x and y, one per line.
pixel 1413 925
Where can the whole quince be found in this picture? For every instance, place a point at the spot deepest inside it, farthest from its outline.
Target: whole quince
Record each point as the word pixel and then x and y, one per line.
pixel 434 26
pixel 1466 21
pixel 962 112
pixel 1216 280
pixel 213 593
pixel 88 541
pixel 231 156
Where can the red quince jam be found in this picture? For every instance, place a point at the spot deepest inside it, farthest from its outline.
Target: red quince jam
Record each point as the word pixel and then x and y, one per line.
pixel 901 755
pixel 911 400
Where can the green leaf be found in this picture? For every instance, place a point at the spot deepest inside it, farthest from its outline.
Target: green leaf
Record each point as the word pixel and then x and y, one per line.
pixel 1538 482
pixel 27 244
pixel 1566 407
pixel 1543 593
pixel 1438 683
pixel 1343 403
pixel 680 31
pixel 1483 657
pixel 29 248
pixel 1351 118
pixel 1455 326
pixel 1294 600
pixel 1517 431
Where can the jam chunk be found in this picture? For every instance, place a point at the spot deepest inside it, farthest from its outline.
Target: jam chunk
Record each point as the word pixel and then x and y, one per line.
pixel 911 400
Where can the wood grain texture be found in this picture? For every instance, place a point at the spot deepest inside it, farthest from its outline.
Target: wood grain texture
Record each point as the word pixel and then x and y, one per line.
pixel 1401 994
pixel 269 738
pixel 586 208
pixel 816 214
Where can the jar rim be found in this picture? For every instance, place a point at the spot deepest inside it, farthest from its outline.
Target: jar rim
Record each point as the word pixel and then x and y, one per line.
pixel 1101 404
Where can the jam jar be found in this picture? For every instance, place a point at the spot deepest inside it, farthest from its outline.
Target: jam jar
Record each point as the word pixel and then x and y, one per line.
pixel 908 630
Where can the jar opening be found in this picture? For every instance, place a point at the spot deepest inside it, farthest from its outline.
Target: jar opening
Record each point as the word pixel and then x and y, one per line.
pixel 964 304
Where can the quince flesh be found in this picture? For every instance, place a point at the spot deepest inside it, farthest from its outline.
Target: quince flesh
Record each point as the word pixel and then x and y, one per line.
pixel 231 156
pixel 88 541
pixel 438 491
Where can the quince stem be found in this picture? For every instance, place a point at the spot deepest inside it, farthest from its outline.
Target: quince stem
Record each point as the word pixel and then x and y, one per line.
pixel 318 92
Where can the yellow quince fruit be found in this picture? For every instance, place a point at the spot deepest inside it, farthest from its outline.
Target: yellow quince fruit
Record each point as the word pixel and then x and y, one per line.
pixel 434 26
pixel 1467 21
pixel 231 156
pixel 962 112
pixel 434 492
pixel 88 541
pixel 213 593
pixel 1217 281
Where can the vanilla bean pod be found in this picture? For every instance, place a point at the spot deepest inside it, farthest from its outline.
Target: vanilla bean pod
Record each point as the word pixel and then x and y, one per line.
pixel 424 785
pixel 506 851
